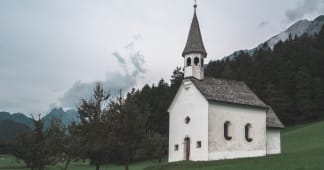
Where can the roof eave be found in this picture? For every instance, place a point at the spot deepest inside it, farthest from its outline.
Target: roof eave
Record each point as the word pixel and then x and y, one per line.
pixel 204 53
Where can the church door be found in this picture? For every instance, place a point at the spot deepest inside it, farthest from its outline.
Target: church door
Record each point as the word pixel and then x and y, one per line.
pixel 187 148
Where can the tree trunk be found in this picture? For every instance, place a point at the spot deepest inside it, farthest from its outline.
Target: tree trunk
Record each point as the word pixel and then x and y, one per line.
pixel 126 164
pixel 67 163
pixel 97 165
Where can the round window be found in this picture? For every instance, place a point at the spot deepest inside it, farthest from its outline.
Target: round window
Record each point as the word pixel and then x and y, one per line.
pixel 187 119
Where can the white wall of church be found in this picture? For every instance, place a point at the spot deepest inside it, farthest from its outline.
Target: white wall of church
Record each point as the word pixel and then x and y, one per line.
pixel 188 102
pixel 273 141
pixel 238 146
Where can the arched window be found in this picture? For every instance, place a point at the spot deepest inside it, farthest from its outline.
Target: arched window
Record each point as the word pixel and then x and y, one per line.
pixel 196 60
pixel 248 132
pixel 188 61
pixel 227 126
pixel 202 62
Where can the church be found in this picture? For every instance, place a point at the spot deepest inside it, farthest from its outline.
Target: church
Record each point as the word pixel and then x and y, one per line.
pixel 213 119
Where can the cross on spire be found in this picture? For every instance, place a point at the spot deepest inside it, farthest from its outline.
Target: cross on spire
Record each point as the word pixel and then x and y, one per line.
pixel 195 4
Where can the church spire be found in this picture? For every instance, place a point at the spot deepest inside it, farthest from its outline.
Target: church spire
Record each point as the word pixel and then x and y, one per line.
pixel 194 42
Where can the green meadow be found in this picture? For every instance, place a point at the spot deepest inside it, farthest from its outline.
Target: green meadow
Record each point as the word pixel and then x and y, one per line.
pixel 302 149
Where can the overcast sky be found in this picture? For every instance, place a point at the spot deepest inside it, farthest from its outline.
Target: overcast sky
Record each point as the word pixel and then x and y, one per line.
pixel 53 51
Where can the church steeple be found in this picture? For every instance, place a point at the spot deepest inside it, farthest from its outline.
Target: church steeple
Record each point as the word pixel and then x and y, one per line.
pixel 194 51
pixel 194 42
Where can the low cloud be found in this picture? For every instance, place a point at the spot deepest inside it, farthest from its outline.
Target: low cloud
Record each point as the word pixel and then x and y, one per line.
pixel 132 63
pixel 303 8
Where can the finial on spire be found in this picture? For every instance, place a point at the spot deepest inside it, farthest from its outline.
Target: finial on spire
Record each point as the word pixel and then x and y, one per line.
pixel 195 5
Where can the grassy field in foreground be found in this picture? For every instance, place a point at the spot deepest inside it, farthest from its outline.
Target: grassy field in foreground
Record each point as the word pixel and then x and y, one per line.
pixel 302 146
pixel 10 163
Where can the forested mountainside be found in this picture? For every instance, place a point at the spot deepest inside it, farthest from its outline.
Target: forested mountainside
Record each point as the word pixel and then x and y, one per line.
pixel 290 78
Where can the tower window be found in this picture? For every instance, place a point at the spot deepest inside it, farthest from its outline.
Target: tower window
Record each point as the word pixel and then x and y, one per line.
pixel 187 119
pixel 176 147
pixel 196 60
pixel 198 145
pixel 188 61
pixel 202 62
pixel 248 132
pixel 227 126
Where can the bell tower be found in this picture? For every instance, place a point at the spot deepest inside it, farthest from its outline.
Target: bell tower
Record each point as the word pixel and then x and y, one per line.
pixel 194 52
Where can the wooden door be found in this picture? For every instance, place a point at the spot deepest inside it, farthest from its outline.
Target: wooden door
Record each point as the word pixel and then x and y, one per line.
pixel 187 148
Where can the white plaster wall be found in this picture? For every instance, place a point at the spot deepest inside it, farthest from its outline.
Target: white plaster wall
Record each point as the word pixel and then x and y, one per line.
pixel 188 102
pixel 194 70
pixel 239 116
pixel 273 141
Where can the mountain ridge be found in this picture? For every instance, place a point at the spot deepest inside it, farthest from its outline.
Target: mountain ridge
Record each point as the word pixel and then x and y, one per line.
pixel 299 28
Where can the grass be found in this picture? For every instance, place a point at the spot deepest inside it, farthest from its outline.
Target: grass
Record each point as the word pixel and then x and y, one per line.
pixel 10 163
pixel 302 149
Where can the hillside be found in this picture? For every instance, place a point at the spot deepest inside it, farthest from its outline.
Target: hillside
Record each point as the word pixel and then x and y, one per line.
pixel 13 124
pixel 302 147
pixel 297 29
pixel 17 118
pixel 10 129
pixel 289 78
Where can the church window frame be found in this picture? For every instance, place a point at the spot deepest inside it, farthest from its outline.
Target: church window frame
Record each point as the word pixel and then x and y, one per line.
pixel 227 126
pixel 176 147
pixel 187 120
pixel 198 144
pixel 196 61
pixel 248 129
pixel 188 61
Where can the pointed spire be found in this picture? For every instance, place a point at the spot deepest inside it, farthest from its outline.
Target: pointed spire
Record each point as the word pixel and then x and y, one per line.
pixel 194 42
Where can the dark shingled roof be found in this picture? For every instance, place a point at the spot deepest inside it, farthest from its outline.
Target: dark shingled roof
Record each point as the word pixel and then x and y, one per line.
pixel 194 42
pixel 237 92
pixel 272 120
pixel 229 91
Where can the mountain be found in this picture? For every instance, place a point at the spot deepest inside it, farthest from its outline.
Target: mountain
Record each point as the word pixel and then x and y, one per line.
pixel 17 118
pixel 298 29
pixel 10 129
pixel 66 117
pixel 289 77
pixel 57 113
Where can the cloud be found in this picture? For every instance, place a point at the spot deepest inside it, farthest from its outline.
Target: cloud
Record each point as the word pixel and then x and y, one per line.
pixel 263 24
pixel 303 8
pixel 134 63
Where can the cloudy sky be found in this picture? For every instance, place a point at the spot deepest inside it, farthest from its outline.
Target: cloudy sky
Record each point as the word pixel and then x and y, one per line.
pixel 52 52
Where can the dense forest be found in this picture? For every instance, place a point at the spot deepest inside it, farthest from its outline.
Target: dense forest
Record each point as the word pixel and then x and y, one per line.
pixel 289 77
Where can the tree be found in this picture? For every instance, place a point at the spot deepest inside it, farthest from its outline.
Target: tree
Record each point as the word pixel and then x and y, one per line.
pixel 130 125
pixel 94 132
pixel 33 148
pixel 304 94
pixel 156 145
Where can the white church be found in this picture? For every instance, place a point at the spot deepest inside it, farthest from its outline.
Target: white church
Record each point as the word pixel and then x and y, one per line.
pixel 213 119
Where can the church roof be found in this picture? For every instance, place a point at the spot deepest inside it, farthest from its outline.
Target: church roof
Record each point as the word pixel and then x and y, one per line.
pixel 272 120
pixel 228 91
pixel 194 42
pixel 236 92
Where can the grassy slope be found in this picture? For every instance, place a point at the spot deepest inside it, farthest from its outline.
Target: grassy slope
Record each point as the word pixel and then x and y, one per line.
pixel 10 163
pixel 303 148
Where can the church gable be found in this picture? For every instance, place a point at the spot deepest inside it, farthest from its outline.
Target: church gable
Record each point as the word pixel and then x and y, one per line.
pixel 188 122
pixel 187 92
